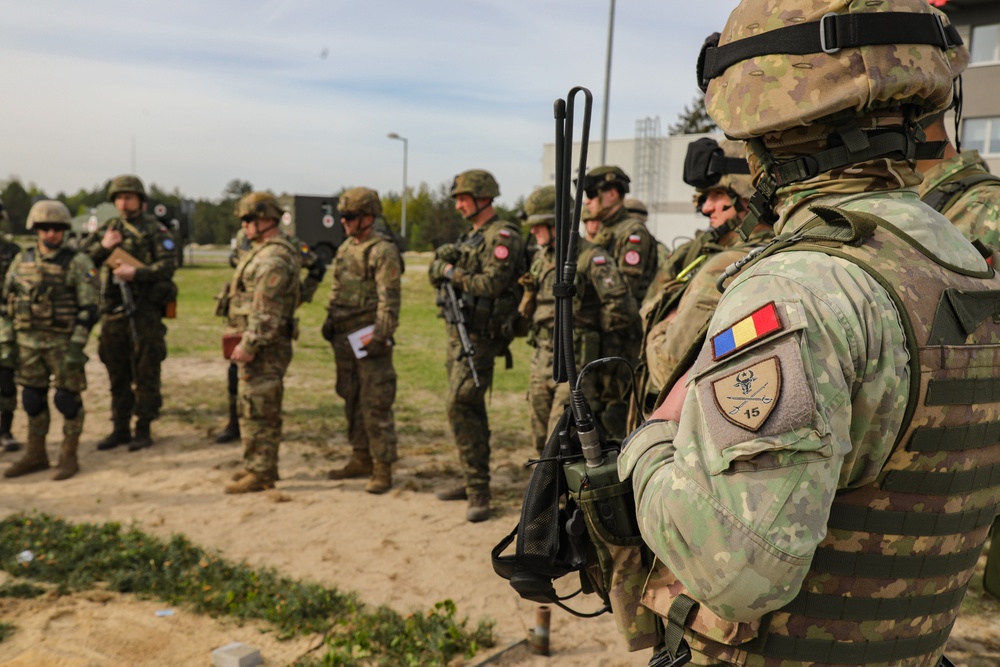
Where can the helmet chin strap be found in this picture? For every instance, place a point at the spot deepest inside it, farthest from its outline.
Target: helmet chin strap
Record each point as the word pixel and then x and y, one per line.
pixel 479 209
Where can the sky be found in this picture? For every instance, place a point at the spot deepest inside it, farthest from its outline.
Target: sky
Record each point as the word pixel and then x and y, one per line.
pixel 298 96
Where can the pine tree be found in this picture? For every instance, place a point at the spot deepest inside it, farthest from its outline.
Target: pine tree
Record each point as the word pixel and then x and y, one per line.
pixel 694 119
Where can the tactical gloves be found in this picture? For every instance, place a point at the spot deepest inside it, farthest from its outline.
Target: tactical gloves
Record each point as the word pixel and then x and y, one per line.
pixel 449 253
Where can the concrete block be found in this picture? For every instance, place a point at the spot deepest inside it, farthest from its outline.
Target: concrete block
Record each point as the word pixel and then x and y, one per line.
pixel 236 654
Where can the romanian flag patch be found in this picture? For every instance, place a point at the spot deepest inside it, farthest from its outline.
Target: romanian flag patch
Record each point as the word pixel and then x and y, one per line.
pixel 759 324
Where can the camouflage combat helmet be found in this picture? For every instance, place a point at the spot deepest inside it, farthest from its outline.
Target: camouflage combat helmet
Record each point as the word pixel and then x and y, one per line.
pixel 49 212
pixel 124 184
pixel 478 183
pixel 540 208
pixel 360 200
pixel 259 205
pixel 599 177
pixel 770 91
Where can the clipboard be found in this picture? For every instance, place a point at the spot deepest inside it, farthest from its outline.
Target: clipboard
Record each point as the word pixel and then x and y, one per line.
pixel 119 257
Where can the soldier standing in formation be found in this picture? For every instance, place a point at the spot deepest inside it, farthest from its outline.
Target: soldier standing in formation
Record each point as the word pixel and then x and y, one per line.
pixel 315 270
pixel 603 308
pixel 365 292
pixel 51 294
pixel 825 450
pixel 483 265
pixel 8 389
pixel 683 297
pixel 133 347
pixel 962 188
pixel 264 293
pixel 633 249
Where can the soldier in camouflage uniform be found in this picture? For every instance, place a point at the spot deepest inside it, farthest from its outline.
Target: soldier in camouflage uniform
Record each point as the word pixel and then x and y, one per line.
pixel 819 490
pixel 133 348
pixel 483 265
pixel 962 188
pixel 315 269
pixel 263 295
pixel 684 294
pixel 51 296
pixel 603 307
pixel 365 292
pixel 8 389
pixel 634 251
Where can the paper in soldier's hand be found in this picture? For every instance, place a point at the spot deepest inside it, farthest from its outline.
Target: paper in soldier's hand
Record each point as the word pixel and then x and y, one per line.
pixel 119 257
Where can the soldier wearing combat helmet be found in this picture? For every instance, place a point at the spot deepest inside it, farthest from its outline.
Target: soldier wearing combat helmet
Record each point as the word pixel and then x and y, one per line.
pixel 365 292
pixel 603 308
pixel 483 266
pixel 133 346
pixel 8 389
pixel 51 293
pixel 811 492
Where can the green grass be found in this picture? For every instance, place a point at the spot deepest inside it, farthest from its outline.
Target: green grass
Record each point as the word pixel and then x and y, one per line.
pixel 81 556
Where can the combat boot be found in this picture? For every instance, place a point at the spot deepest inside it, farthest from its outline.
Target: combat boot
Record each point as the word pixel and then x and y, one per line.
pixel 142 438
pixel 35 458
pixel 381 479
pixel 479 507
pixel 360 465
pixel 232 431
pixel 453 493
pixel 252 482
pixel 7 440
pixel 68 465
pixel 120 436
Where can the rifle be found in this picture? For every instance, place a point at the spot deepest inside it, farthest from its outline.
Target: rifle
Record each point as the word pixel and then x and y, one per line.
pixel 453 314
pixel 128 300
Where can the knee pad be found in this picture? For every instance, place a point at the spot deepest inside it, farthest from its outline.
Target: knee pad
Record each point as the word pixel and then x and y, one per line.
pixel 234 379
pixel 67 402
pixel 34 400
pixel 7 386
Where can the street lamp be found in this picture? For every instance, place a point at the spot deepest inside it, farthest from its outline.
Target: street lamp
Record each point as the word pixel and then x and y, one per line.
pixel 393 135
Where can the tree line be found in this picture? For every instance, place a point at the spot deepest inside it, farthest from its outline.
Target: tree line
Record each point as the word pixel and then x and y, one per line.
pixel 431 218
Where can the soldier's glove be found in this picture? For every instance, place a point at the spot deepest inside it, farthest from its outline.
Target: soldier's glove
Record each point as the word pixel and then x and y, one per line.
pixel 377 347
pixel 437 271
pixel 8 355
pixel 528 304
pixel 328 331
pixel 448 252
pixel 75 358
pixel 527 281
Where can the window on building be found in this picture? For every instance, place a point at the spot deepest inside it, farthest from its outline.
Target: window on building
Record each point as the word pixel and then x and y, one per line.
pixel 981 134
pixel 985 44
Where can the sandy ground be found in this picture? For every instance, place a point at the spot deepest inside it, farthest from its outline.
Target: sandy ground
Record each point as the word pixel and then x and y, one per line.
pixel 404 549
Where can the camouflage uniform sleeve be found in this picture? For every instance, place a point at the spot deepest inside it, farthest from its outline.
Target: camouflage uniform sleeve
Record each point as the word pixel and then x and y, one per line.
pixel 736 513
pixel 93 248
pixel 977 215
pixel 386 269
pixel 315 270
pixel 276 277
pixel 7 333
pixel 500 253
pixel 83 277
pixel 619 312
pixel 637 260
pixel 164 256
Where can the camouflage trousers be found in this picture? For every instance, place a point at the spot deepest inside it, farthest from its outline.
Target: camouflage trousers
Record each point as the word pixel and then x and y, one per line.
pixel 466 408
pixel 42 367
pixel 258 404
pixel 546 398
pixel 368 387
pixel 134 371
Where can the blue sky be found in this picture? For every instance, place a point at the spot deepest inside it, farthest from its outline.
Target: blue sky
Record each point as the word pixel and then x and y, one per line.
pixel 298 95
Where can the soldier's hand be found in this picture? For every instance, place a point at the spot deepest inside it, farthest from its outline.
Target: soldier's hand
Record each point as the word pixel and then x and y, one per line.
pixel 377 347
pixel 125 271
pixel 240 355
pixel 8 355
pixel 527 281
pixel 437 270
pixel 448 252
pixel 328 330
pixel 75 358
pixel 112 238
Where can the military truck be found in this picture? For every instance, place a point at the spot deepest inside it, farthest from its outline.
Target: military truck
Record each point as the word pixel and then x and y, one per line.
pixel 314 220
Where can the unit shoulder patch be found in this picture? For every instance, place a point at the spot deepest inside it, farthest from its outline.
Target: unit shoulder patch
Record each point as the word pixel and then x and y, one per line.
pixel 747 396
pixel 501 252
pixel 632 258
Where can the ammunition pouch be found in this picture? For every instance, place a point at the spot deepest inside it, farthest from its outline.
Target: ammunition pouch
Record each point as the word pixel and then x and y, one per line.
pixel 222 300
pixel 160 293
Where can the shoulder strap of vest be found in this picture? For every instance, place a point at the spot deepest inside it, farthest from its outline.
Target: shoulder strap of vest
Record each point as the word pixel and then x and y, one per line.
pixel 62 258
pixel 941 198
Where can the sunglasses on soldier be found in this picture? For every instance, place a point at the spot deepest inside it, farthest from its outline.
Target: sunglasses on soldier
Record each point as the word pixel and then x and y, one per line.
pixel 350 217
pixel 248 218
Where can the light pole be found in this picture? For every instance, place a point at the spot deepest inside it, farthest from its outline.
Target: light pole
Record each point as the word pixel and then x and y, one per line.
pixel 406 145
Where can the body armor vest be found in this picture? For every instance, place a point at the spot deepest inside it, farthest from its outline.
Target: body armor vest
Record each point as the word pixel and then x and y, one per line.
pixel 942 197
pixel 241 298
pixel 353 294
pixel 886 583
pixel 543 274
pixel 40 299
pixel 488 316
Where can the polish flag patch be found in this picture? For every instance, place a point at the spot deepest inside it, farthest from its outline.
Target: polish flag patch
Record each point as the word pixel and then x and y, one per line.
pixel 634 238
pixel 600 260
pixel 505 233
pixel 501 252
pixel 632 258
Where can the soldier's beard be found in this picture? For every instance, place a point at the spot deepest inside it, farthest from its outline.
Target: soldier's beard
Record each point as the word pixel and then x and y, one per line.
pixel 50 245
